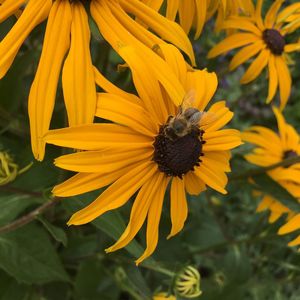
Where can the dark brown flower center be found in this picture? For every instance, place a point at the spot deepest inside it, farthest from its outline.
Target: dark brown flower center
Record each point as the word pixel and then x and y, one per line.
pixel 178 155
pixel 274 40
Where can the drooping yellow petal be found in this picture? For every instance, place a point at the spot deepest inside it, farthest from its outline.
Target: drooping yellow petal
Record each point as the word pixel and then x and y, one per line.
pixel 179 207
pixel 172 8
pixel 281 126
pixel 153 219
pixel 233 41
pixel 246 53
pixel 256 66
pixel 186 13
pixel 78 73
pixel 9 7
pixel 43 90
pixel 121 111
pixel 169 31
pixel 285 80
pixel 116 195
pixel 139 210
pixel 35 12
pixel 273 78
pixel 97 137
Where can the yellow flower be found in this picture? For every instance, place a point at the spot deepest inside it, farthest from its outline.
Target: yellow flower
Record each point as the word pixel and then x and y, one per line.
pixel 265 38
pixel 68 35
pixel 144 149
pixel 272 148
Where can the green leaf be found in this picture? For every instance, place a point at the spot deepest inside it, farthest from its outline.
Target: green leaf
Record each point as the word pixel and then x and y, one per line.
pixel 271 187
pixel 11 206
pixel 93 282
pixel 10 289
pixel 57 233
pixel 28 255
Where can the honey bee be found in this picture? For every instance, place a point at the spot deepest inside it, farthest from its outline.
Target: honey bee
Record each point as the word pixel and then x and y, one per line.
pixel 186 120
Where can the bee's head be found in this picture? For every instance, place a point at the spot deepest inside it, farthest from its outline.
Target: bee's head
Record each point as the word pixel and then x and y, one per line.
pixel 179 125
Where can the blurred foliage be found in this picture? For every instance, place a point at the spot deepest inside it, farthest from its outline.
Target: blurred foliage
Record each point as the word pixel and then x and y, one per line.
pixel 238 254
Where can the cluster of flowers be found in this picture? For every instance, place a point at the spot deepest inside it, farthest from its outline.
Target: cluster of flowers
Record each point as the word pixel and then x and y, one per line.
pixel 165 134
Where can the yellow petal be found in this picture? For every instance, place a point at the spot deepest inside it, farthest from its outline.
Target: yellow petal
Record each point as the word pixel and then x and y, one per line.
pixel 233 41
pixel 273 78
pixel 256 66
pixel 204 84
pixel 285 80
pixel 246 53
pixel 97 137
pixel 210 178
pixel 86 182
pixel 121 111
pixel 193 184
pixel 106 161
pixel 43 90
pixel 258 17
pixel 116 195
pixel 172 8
pixel 292 225
pixel 179 207
pixel 292 47
pixel 225 139
pixel 153 219
pixel 9 7
pixel 139 210
pixel 235 22
pixel 272 13
pixel 186 13
pixel 78 73
pixel 169 31
pixel 35 12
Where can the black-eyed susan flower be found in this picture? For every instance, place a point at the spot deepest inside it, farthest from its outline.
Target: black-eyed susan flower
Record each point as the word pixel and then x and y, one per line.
pixel 266 39
pixel 66 47
pixel 272 148
pixel 153 141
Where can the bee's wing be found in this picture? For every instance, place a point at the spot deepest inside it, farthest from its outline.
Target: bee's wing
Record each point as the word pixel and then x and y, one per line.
pixel 207 118
pixel 188 99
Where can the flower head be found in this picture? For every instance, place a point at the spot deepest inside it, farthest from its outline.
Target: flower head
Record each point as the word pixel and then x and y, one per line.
pixel 271 149
pixel 163 296
pixel 266 39
pixel 187 283
pixel 66 47
pixel 153 141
